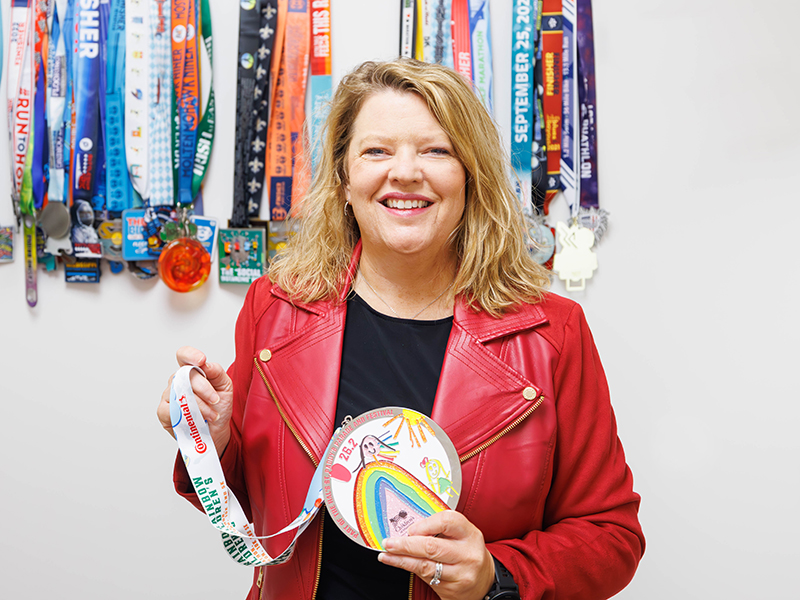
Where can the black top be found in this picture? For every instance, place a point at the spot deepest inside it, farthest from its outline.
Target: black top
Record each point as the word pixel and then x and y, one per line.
pixel 385 362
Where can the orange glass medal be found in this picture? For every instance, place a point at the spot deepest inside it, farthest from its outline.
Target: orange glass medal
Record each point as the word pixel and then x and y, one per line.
pixel 184 264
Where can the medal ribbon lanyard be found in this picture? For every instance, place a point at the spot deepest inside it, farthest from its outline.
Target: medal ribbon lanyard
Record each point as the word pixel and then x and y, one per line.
pixel 440 21
pixel 588 109
pixel 19 93
pixel 249 22
pixel 569 107
pixel 208 108
pixel 462 54
pixel 552 43
pixel 219 502
pixel 56 102
pixel 255 125
pixel 408 28
pixel 279 143
pixel 481 51
pixel 321 80
pixel 137 81
pixel 118 194
pixel 87 101
pixel 309 139
pixel 20 105
pixel 186 87
pixel 159 106
pixel 297 42
pixel 522 99
pixel 39 132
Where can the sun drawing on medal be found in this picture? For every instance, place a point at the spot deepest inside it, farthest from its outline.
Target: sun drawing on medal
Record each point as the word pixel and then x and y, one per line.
pixel 412 420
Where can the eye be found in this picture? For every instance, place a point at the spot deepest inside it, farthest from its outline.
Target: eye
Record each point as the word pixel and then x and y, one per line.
pixel 440 151
pixel 374 152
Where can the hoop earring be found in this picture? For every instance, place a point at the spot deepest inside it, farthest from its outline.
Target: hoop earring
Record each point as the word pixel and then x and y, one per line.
pixel 346 204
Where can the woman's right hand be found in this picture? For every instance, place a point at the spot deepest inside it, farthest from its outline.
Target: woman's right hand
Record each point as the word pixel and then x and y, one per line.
pixel 214 394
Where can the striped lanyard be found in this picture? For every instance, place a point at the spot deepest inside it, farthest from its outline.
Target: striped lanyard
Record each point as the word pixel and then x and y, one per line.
pixel 552 48
pixel 321 80
pixel 295 57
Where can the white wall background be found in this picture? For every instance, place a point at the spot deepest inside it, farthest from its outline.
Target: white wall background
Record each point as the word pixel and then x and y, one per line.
pixel 694 309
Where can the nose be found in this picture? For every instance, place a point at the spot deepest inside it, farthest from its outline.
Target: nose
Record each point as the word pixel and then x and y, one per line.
pixel 406 167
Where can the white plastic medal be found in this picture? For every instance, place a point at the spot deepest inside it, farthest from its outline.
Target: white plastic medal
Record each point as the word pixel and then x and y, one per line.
pixel 219 502
pixel 576 261
pixel 387 469
pixel 137 81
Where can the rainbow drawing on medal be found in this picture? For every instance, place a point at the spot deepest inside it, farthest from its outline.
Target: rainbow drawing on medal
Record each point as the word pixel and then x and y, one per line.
pixel 387 469
pixel 388 500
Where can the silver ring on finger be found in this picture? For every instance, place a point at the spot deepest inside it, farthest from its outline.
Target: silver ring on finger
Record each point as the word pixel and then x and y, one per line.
pixel 437 575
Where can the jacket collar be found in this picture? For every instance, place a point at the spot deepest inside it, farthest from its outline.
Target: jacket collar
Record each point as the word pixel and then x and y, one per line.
pixel 480 325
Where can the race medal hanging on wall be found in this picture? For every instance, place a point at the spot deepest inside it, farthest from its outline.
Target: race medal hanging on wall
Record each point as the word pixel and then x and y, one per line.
pixel 242 254
pixel 386 470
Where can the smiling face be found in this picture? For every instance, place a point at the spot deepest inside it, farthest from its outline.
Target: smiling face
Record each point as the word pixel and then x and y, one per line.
pixel 405 183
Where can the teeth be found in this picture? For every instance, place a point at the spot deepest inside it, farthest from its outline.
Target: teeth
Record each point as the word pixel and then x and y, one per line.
pixel 406 204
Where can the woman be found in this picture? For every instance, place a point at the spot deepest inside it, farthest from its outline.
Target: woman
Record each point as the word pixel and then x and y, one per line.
pixel 410 284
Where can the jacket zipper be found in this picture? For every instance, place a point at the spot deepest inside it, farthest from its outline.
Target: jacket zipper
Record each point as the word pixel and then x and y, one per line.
pixel 505 430
pixel 260 582
pixel 300 441
pixel 411 587
pixel 304 446
pixel 319 556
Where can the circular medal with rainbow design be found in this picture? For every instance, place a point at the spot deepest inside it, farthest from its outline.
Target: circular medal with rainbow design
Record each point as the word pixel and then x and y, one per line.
pixel 387 469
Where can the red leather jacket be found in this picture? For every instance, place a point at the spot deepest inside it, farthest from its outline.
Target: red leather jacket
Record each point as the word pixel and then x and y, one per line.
pixel 523 398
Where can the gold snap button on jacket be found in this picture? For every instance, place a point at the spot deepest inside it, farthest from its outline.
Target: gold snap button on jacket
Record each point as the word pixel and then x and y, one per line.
pixel 265 355
pixel 529 393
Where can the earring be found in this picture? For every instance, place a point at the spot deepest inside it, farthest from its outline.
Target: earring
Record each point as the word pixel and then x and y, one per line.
pixel 346 204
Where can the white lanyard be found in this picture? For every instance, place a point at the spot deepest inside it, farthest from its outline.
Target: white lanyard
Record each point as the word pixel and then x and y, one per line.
pixel 137 97
pixel 20 89
pixel 219 502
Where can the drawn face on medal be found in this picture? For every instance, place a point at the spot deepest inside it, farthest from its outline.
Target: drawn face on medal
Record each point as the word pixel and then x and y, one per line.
pixel 386 470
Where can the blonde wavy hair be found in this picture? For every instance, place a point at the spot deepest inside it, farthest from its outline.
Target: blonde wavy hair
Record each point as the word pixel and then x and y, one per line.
pixel 495 271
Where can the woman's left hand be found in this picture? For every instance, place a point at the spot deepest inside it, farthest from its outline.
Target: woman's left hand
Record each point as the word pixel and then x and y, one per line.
pixel 448 538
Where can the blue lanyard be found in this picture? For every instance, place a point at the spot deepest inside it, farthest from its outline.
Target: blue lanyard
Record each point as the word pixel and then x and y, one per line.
pixel 87 104
pixel 119 195
pixel 522 98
